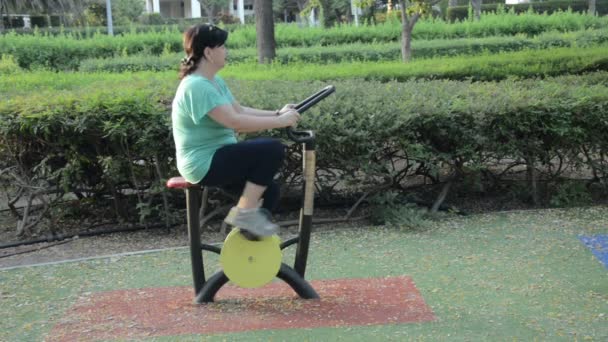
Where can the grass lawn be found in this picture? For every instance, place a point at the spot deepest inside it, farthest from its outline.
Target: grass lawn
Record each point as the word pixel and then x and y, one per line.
pixel 501 276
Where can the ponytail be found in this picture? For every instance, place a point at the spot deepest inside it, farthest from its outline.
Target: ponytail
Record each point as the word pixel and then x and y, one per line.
pixel 188 65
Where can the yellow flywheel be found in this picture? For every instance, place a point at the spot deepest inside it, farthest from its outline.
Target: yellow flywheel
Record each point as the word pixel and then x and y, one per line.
pixel 249 263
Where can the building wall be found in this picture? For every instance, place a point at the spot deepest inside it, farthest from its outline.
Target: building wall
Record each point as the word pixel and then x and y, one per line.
pixel 172 9
pixel 181 8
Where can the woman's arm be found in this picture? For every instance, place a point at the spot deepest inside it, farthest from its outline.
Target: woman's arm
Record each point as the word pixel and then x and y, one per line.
pixel 252 111
pixel 259 112
pixel 227 116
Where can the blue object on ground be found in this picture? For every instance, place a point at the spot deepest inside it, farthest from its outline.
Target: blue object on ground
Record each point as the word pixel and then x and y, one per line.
pixel 598 245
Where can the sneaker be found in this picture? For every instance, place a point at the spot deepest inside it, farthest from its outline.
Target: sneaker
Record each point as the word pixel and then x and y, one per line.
pixel 248 235
pixel 255 220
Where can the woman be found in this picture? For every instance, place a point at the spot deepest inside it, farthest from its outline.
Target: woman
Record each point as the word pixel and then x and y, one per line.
pixel 205 117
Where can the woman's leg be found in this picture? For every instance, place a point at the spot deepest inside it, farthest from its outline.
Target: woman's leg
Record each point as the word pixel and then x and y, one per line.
pixel 270 199
pixel 251 196
pixel 251 164
pixel 255 161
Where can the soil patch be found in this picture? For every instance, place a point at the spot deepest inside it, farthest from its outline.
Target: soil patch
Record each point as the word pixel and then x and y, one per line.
pixel 144 313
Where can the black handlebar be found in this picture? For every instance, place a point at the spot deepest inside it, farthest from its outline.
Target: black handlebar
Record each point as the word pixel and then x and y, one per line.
pixel 304 136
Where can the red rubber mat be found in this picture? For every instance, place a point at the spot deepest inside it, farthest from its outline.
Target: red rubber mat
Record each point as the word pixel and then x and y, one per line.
pixel 138 313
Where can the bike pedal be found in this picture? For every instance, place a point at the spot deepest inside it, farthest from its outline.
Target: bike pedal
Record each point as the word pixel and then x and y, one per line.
pixel 249 235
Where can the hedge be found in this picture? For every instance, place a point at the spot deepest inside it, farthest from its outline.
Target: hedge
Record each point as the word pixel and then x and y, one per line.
pixel 521 64
pixel 177 25
pixel 582 6
pixel 363 52
pixel 64 52
pixel 102 139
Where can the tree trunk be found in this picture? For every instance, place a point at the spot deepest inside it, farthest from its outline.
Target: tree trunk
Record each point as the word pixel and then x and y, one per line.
pixel 592 7
pixel 5 8
pixel 407 26
pixel 1 15
pixel 301 5
pixel 532 179
pixel 207 8
pixel 264 26
pixel 442 195
pixel 326 15
pixel 406 44
pixel 476 4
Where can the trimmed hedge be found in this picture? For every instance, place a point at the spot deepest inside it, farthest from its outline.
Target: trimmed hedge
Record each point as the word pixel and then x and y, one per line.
pixel 581 6
pixel 521 64
pixel 363 52
pixel 172 24
pixel 64 52
pixel 102 136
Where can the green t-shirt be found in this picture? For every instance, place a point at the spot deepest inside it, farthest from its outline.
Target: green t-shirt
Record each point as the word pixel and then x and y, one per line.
pixel 197 136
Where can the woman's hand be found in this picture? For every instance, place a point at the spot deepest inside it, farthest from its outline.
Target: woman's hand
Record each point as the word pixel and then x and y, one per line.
pixel 289 117
pixel 286 108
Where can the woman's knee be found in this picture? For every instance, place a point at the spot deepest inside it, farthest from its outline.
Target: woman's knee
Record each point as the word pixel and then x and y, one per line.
pixel 274 150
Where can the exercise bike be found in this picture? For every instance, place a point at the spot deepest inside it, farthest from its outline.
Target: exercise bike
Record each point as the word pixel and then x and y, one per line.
pixel 253 262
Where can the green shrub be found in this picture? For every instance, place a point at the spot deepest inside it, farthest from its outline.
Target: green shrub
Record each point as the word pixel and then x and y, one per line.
pixel 65 51
pixel 570 193
pixel 8 65
pixel 522 64
pixel 493 24
pixel 389 208
pixel 151 19
pixel 132 63
pixel 364 52
pixel 107 133
pixel 580 6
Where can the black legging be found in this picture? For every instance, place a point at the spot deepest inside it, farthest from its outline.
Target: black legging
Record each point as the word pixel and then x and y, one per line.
pixel 255 160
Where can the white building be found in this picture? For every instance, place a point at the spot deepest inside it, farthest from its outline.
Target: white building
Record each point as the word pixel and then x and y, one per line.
pixel 192 8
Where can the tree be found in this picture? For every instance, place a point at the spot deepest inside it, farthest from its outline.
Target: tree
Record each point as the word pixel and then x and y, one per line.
pixel 326 9
pixel 40 6
pixel 301 6
pixel 451 3
pixel 311 5
pixel 264 26
pixel 4 10
pixel 211 8
pixel 592 7
pixel 330 11
pixel 74 7
pixel 370 9
pixel 410 13
pixel 335 11
pixel 476 4
pixel 208 8
pixel 125 12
